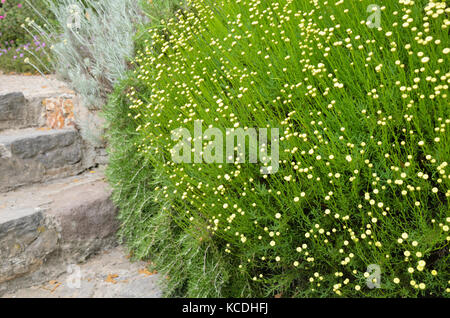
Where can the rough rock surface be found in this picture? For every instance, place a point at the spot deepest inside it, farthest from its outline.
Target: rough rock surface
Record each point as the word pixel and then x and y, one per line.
pixel 86 217
pixel 34 101
pixel 50 104
pixel 12 110
pixel 25 242
pixel 44 227
pixel 32 155
pixel 107 275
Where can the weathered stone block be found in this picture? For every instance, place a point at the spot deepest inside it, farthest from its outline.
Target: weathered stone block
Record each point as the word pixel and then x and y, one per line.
pixel 59 112
pixel 32 155
pixel 25 242
pixel 12 110
pixel 87 218
pixel 45 227
pixel 18 111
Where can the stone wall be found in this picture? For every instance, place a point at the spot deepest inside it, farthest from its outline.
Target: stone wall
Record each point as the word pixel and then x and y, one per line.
pixel 46 103
pixel 59 112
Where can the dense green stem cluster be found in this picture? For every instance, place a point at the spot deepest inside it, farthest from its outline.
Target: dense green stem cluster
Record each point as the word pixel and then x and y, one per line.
pixel 363 175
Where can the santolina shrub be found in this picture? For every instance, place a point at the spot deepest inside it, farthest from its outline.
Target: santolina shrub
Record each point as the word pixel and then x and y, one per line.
pixel 360 95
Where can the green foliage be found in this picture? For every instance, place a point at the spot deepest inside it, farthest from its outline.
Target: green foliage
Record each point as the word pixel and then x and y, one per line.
pixel 12 61
pixel 14 13
pixel 363 179
pixel 16 42
pixel 157 11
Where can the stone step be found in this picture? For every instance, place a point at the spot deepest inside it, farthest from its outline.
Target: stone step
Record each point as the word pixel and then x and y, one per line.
pixel 36 155
pixel 17 112
pixel 44 228
pixel 13 112
pixel 25 242
pixel 35 101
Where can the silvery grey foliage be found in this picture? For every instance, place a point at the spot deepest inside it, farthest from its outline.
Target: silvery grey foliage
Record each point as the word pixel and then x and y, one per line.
pixel 93 44
pixel 96 43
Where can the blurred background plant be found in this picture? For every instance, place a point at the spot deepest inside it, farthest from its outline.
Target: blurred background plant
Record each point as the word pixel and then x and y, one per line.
pixel 16 44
